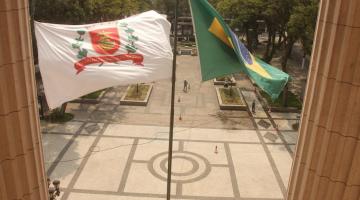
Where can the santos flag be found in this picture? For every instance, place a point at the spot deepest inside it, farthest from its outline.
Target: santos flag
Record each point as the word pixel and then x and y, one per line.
pixel 75 60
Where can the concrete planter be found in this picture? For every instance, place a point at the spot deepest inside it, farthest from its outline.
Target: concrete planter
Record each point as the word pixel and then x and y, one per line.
pixel 224 106
pixel 187 51
pixel 143 102
pixel 219 82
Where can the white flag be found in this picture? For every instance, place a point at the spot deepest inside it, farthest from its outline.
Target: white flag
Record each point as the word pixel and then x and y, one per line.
pixel 75 60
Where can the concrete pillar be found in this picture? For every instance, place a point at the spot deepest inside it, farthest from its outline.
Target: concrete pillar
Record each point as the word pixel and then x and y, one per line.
pixel 327 159
pixel 22 173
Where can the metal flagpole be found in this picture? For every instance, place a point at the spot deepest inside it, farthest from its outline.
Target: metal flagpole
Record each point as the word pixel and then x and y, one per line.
pixel 171 133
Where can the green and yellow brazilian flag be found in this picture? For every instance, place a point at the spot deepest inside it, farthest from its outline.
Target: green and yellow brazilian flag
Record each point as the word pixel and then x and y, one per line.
pixel 221 53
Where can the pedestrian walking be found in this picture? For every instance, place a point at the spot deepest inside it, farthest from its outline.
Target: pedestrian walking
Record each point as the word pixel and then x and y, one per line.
pixel 253 107
pixel 188 86
pixel 185 85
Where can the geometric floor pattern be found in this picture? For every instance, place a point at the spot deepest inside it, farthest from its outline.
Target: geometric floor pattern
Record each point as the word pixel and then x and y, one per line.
pixel 116 152
pixel 122 161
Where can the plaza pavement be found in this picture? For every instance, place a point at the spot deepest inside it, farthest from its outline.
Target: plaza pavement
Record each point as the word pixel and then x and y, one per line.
pixel 115 152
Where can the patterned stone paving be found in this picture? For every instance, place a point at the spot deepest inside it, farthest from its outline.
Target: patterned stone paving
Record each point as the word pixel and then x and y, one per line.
pixel 115 152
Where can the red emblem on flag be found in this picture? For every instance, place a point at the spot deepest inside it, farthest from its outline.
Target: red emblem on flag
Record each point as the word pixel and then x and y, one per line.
pixel 105 41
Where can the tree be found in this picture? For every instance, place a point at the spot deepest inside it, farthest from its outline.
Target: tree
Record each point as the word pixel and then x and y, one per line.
pixel 167 7
pixel 302 23
pixel 164 6
pixel 244 15
pixel 287 21
pixel 276 15
pixel 301 26
pixel 87 11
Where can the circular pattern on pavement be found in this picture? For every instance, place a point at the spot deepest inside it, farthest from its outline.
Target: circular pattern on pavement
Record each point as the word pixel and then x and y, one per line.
pixel 187 167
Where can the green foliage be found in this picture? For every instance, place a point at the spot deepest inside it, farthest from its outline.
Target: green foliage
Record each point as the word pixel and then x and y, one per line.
pixel 87 11
pixel 230 96
pixel 167 7
pixel 276 13
pixel 244 16
pixel 243 13
pixel 133 38
pixel 77 45
pixel 82 53
pixel 137 92
pixel 93 95
pixel 130 48
pixel 56 116
pixel 288 18
pixel 302 24
pixel 293 100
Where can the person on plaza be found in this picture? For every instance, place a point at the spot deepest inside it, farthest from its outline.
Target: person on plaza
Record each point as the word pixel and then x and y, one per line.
pixel 185 86
pixel 253 107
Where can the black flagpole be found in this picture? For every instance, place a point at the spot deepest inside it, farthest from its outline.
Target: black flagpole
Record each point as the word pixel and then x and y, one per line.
pixel 171 133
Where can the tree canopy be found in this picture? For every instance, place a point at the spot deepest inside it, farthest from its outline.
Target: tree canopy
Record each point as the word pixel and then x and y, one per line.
pixel 302 24
pixel 294 19
pixel 286 21
pixel 283 18
pixel 87 11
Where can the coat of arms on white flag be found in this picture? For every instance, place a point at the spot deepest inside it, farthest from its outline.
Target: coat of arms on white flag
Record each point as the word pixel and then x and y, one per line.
pixel 75 60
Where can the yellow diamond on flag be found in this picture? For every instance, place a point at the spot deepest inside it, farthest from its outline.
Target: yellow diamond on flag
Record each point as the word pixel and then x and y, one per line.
pixel 217 29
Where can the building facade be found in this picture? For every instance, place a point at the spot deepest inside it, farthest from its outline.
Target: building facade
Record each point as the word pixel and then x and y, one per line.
pixel 327 159
pixel 22 174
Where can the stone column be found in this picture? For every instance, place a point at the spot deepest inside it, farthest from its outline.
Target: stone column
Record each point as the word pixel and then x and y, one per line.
pixel 22 173
pixel 327 159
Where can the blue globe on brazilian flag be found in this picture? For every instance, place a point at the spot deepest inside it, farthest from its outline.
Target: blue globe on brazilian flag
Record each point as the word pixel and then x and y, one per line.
pixel 221 53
